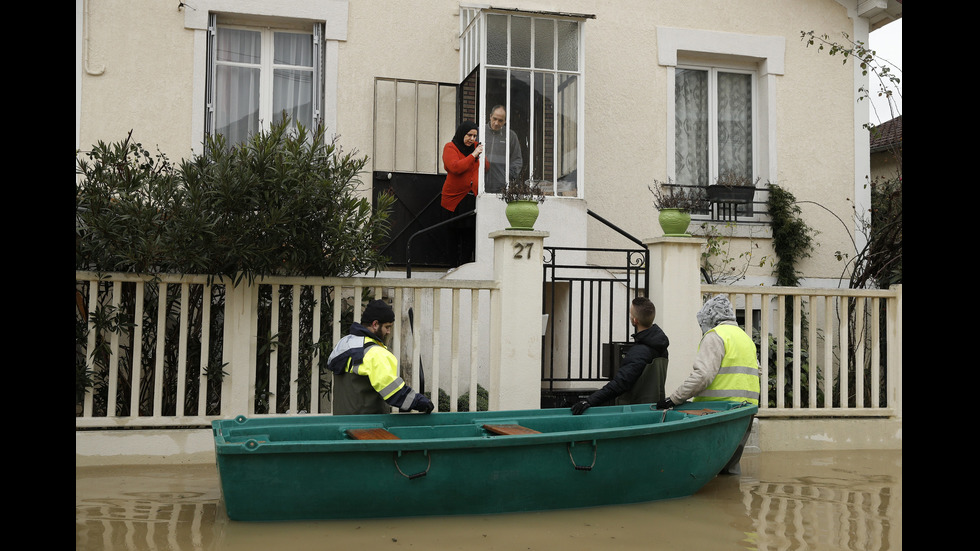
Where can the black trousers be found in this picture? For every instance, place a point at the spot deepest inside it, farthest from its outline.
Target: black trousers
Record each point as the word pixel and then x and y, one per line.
pixel 462 238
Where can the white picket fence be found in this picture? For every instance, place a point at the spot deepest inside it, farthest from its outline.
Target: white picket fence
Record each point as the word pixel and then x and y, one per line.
pixel 840 353
pixel 855 361
pixel 164 381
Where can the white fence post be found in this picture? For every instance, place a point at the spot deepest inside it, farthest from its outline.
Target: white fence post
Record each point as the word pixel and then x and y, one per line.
pixel 241 329
pixel 895 353
pixel 675 289
pixel 515 364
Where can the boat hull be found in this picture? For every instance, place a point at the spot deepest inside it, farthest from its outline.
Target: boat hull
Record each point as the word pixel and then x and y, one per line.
pixel 291 468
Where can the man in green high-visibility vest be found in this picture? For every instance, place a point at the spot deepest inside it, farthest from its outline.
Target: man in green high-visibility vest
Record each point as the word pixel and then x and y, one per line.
pixel 726 367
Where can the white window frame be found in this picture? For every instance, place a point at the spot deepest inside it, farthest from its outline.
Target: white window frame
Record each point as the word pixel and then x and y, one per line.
pixel 763 55
pixel 473 53
pixel 333 14
pixel 408 132
pixel 713 148
pixel 267 67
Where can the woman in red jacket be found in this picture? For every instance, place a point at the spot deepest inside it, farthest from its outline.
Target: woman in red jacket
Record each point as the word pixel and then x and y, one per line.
pixel 461 157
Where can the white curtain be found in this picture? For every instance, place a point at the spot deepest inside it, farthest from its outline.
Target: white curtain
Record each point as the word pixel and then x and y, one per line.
pixel 691 127
pixel 238 75
pixel 735 125
pixel 237 86
pixel 292 89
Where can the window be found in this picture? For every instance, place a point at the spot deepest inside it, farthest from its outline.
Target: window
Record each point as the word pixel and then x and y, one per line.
pixel 532 69
pixel 722 104
pixel 256 74
pixel 412 121
pixel 713 125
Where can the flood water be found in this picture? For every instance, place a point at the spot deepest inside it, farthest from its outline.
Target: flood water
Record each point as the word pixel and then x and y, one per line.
pixel 848 500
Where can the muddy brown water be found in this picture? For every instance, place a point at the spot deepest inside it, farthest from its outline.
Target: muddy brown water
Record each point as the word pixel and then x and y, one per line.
pixel 845 500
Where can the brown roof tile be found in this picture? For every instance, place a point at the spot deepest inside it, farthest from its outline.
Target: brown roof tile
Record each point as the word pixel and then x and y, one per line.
pixel 886 134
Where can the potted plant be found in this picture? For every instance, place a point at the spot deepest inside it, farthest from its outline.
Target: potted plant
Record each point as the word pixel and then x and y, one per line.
pixel 522 198
pixel 675 204
pixel 730 187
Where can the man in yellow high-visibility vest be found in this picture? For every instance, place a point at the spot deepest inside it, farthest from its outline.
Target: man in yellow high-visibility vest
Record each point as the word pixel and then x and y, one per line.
pixel 726 367
pixel 365 372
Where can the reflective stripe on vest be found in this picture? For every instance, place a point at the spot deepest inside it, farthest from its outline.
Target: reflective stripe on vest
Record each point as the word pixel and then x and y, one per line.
pixel 738 378
pixel 380 367
pixel 370 358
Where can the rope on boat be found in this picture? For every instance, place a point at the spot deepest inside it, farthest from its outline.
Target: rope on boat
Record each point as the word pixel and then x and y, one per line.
pixel 595 448
pixel 416 475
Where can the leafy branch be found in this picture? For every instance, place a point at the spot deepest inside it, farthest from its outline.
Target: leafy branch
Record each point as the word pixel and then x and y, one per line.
pixel 885 72
pixel 878 263
pixel 718 265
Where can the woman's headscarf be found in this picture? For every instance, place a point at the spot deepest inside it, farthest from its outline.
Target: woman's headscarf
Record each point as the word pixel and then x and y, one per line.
pixel 462 131
pixel 716 310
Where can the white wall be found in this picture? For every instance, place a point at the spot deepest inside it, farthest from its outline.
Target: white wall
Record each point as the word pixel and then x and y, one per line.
pixel 153 70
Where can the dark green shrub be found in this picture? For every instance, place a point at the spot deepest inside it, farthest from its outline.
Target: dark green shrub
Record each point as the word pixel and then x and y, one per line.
pixel 792 239
pixel 463 401
pixel 282 203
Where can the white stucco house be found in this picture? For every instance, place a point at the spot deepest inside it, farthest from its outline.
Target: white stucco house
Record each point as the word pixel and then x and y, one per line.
pixel 604 97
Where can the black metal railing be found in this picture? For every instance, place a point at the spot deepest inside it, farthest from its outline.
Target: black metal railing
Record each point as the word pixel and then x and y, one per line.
pixel 444 223
pixel 731 204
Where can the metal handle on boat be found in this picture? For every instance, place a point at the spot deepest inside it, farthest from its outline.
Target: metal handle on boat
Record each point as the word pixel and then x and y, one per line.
pixel 595 449
pixel 416 475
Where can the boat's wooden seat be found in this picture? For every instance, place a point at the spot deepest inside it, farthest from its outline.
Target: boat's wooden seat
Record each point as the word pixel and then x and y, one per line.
pixel 510 429
pixel 371 434
pixel 698 411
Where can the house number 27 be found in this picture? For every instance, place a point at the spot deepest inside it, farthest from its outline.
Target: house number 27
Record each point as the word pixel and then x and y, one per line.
pixel 520 248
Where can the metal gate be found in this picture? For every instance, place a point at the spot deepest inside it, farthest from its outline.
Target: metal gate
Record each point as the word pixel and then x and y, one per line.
pixel 587 295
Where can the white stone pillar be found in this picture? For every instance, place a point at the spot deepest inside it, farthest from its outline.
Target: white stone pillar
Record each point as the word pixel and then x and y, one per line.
pixel 515 360
pixel 675 289
pixel 241 329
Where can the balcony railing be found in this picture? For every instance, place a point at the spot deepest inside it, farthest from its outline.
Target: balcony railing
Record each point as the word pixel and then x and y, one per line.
pixel 733 205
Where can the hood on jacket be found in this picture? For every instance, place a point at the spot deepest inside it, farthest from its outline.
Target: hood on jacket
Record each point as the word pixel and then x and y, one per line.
pixel 655 338
pixel 716 310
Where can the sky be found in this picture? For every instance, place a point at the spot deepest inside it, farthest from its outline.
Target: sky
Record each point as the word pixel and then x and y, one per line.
pixel 887 44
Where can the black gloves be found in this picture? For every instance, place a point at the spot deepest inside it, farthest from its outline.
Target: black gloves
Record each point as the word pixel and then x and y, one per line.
pixel 422 404
pixel 665 404
pixel 579 407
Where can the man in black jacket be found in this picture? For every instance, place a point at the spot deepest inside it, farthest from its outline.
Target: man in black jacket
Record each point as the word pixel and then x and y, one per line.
pixel 651 343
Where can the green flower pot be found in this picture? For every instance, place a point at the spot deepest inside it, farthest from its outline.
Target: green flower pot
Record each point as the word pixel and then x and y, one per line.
pixel 522 214
pixel 674 222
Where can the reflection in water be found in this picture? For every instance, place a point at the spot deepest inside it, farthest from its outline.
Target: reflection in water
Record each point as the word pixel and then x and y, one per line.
pixel 798 500
pixel 854 503
pixel 146 508
pixel 145 521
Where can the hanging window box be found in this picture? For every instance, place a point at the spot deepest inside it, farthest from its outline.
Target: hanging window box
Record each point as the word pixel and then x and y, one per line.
pixel 731 194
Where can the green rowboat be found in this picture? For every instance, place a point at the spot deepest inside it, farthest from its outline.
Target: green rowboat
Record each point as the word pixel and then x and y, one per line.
pixel 357 466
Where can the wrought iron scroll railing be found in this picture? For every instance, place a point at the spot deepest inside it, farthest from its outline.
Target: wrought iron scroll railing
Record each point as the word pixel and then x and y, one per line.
pixel 587 294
